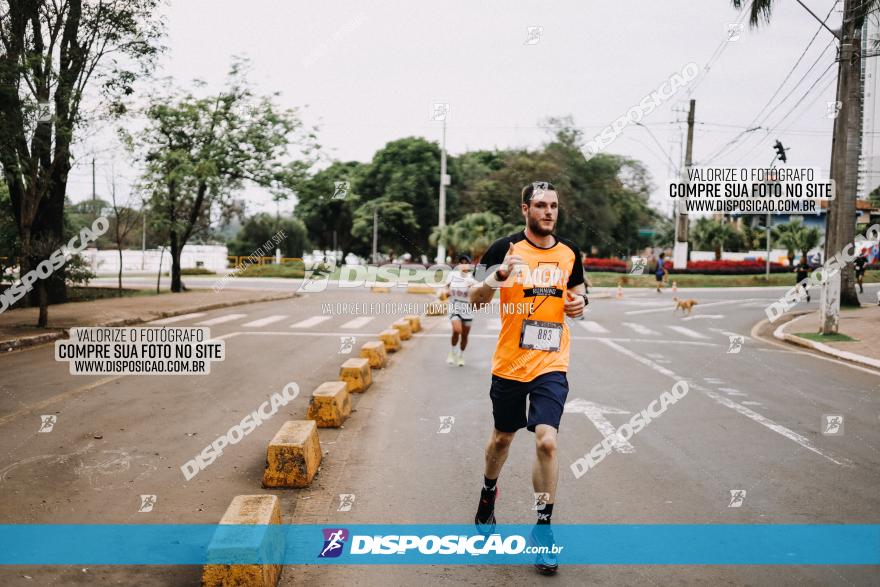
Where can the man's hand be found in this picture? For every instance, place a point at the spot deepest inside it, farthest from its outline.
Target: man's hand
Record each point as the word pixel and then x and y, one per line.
pixel 511 260
pixel 574 304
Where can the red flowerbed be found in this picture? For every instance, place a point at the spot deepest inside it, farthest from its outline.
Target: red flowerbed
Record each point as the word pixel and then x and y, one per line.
pixel 724 267
pixel 596 264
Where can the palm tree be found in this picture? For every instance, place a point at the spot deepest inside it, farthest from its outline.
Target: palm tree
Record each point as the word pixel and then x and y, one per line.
pixel 810 237
pixel 712 234
pixel 788 236
pixel 840 228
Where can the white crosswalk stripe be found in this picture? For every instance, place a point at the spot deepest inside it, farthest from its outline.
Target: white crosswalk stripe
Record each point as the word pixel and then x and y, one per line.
pixel 265 321
pixel 729 333
pixel 687 332
pixel 180 318
pixel 220 319
pixel 358 322
pixel 309 322
pixel 731 391
pixel 640 328
pixel 591 326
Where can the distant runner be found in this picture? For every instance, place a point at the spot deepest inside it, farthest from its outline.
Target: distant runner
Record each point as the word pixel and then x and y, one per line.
pixel 660 273
pixel 860 263
pixel 461 313
pixel 803 271
pixel 542 281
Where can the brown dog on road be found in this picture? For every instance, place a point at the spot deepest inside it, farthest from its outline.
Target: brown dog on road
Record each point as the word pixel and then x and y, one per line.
pixel 686 306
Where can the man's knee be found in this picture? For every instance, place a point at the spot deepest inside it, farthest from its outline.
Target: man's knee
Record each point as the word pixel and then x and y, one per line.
pixel 501 440
pixel 546 444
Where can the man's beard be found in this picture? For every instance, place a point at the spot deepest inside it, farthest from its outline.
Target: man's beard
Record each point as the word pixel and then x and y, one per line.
pixel 535 226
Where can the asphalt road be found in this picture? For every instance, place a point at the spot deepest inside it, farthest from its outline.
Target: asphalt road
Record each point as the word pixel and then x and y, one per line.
pixel 751 421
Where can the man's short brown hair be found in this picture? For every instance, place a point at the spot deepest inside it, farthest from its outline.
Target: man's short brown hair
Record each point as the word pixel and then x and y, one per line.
pixel 536 186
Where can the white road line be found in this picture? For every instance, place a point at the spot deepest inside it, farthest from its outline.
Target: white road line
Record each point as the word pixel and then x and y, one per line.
pixel 749 403
pixel 713 380
pixel 729 403
pixel 640 329
pixel 358 322
pixel 687 332
pixel 778 428
pixel 493 324
pixel 672 305
pixel 180 318
pixel 596 414
pixel 732 391
pixel 309 322
pixel 220 319
pixel 729 333
pixel 591 326
pixel 264 321
pixel 704 317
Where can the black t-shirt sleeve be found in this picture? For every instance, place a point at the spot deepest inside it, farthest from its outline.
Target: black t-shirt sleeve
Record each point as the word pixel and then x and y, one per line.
pixel 495 254
pixel 577 271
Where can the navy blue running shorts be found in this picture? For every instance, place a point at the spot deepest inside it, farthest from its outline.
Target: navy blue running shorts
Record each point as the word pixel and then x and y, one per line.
pixel 546 399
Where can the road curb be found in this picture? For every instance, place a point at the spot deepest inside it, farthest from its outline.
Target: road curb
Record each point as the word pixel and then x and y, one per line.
pixel 38 339
pixel 780 334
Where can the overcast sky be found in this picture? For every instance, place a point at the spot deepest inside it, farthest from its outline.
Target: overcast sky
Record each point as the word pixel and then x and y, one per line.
pixel 369 72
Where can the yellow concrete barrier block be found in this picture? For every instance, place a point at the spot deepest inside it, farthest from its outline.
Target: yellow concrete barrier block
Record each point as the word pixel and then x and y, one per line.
pixel 380 289
pixel 391 339
pixel 330 405
pixel 436 309
pixel 356 373
pixel 374 352
pixel 229 545
pixel 420 288
pixel 415 322
pixel 293 456
pixel 403 328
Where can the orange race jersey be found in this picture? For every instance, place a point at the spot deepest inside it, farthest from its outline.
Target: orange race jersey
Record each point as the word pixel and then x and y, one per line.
pixel 537 297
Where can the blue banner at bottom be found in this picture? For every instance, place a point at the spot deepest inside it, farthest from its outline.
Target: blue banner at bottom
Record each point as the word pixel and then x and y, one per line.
pixel 353 544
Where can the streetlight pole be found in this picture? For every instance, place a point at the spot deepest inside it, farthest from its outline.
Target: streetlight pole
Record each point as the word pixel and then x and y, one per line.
pixel 375 233
pixel 441 222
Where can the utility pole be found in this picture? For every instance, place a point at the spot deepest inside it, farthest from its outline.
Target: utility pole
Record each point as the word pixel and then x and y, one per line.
pixel 143 239
pixel 679 254
pixel 93 183
pixel 840 220
pixel 441 222
pixel 375 233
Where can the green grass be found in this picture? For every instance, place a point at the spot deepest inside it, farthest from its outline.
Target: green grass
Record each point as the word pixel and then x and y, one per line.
pixel 818 337
pixel 288 271
pixel 608 279
pixel 87 294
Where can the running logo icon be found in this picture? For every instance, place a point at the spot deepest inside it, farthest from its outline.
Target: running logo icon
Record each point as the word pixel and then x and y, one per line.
pixel 346 344
pixel 439 111
pixel 832 425
pixel 341 189
pixel 736 344
pixel 147 503
pixel 47 423
pixel 737 497
pixel 334 541
pixel 446 423
pixel 533 35
pixel 541 500
pixel 638 265
pixel 346 501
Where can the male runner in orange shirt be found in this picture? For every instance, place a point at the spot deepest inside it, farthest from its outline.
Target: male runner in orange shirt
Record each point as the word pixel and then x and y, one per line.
pixel 541 278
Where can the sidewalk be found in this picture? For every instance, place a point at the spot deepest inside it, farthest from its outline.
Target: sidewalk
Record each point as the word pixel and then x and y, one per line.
pixel 862 324
pixel 18 327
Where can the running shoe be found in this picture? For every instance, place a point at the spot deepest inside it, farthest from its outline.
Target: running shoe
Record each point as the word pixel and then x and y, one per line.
pixel 450 358
pixel 546 563
pixel 484 519
pixel 461 359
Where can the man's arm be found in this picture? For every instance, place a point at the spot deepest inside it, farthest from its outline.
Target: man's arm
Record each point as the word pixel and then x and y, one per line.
pixel 482 293
pixel 575 303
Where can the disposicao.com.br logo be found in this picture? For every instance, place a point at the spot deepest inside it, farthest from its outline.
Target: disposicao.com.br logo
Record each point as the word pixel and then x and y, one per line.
pixel 451 544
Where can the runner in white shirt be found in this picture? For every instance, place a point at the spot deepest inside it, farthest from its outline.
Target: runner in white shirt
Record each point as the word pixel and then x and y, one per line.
pixel 461 311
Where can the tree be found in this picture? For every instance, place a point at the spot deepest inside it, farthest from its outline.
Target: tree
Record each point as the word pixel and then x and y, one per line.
pixel 474 233
pixel 840 222
pixel 125 218
pixel 788 236
pixel 396 219
pixel 260 228
pixel 52 54
pixel 406 171
pixel 198 152
pixel 712 234
pixel 323 210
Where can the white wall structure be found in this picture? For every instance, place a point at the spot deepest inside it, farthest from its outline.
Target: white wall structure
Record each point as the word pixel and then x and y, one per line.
pixel 106 261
